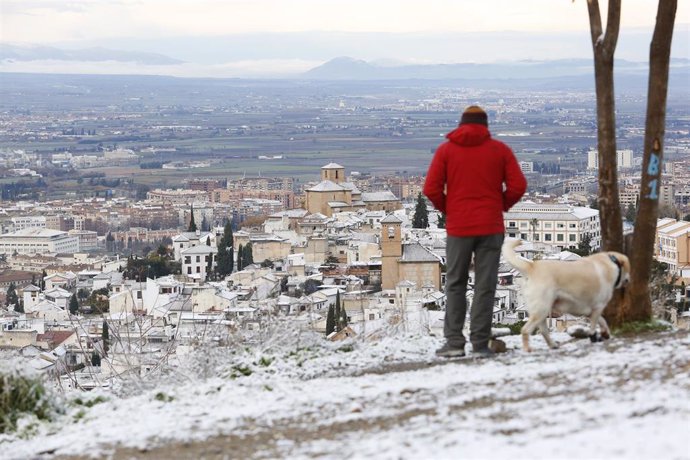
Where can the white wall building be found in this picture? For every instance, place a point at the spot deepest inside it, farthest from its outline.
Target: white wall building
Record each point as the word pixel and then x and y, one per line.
pixel 188 240
pixel 527 167
pixel 195 261
pixel 623 157
pixel 22 222
pixel 38 241
pixel 558 225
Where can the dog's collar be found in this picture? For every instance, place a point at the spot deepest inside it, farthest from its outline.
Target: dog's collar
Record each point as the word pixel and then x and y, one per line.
pixel 620 269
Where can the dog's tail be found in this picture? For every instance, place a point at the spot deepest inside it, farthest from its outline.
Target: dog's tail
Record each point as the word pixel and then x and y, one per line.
pixel 523 265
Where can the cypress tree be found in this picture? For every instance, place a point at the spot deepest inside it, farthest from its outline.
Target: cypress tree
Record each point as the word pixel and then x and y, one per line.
pixel 330 320
pixel 225 257
pixel 337 313
pixel 12 298
pixel 240 254
pixel 343 318
pixel 192 224
pixel 73 304
pixel 421 214
pixel 247 256
pixel 105 338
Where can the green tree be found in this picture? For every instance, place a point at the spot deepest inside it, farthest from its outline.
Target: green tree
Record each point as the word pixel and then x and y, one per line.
pixel 95 359
pixel 192 224
pixel 421 213
pixel 343 318
pixel 225 257
pixel 12 298
pixel 109 242
pixel 441 221
pixel 584 247
pixel 330 320
pixel 630 213
pixel 205 226
pixel 83 294
pixel 310 286
pixel 247 255
pixel 240 255
pixel 105 338
pixel 43 280
pixel 337 315
pixel 73 305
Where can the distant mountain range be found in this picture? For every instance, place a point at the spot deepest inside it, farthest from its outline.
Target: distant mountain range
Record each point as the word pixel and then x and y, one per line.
pixel 346 68
pixel 48 53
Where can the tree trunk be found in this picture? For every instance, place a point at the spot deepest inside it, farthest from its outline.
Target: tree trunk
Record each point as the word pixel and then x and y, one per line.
pixel 604 48
pixel 638 305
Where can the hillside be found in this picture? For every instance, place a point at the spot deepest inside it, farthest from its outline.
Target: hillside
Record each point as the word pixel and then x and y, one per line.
pixel 556 73
pixel 300 397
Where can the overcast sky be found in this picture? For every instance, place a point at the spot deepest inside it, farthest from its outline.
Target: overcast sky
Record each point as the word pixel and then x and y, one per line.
pixel 300 33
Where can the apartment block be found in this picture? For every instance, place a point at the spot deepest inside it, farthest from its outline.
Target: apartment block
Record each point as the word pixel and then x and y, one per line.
pixel 558 225
pixel 672 245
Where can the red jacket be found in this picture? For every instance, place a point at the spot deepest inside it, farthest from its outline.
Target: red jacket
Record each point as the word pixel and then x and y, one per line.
pixel 466 181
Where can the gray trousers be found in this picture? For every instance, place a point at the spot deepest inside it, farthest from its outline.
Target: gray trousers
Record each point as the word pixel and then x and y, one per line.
pixel 487 252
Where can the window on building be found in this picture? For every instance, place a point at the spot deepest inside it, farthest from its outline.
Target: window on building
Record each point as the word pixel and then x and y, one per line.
pixel 572 237
pixel 547 237
pixel 560 237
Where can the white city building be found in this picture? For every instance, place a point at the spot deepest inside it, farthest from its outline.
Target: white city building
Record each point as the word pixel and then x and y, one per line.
pixel 558 225
pixel 186 240
pixel 527 167
pixel 38 241
pixel 195 261
pixel 624 159
pixel 22 222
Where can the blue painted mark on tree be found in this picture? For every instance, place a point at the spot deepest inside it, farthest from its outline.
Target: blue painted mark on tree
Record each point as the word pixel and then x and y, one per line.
pixel 653 170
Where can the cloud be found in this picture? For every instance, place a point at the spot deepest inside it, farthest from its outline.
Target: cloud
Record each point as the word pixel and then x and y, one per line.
pixel 46 21
pixel 263 68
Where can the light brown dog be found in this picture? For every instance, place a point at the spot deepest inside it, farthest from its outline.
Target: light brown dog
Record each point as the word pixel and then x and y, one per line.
pixel 581 288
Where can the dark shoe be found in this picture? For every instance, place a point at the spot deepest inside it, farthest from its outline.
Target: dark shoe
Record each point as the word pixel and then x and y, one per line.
pixel 448 351
pixel 484 352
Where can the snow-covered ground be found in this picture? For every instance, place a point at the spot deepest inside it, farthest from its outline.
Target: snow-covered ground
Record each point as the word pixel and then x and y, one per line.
pixel 392 399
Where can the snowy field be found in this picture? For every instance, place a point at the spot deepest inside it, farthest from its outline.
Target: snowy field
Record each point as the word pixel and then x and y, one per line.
pixel 627 398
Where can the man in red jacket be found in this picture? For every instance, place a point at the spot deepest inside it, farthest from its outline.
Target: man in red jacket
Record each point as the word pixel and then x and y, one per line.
pixel 472 179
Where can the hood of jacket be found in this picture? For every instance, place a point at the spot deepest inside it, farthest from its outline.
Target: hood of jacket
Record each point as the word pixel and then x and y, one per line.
pixel 469 135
